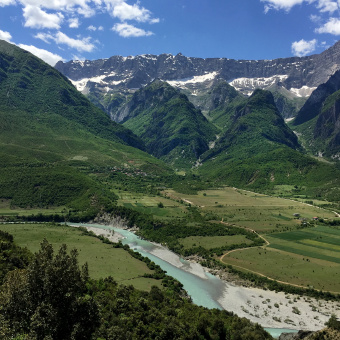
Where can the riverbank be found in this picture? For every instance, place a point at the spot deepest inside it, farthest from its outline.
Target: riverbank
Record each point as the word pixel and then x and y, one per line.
pixel 268 308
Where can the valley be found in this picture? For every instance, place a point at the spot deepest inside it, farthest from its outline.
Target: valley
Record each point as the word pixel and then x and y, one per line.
pixel 196 161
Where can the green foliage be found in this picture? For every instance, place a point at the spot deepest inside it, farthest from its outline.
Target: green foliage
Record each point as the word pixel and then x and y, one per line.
pixel 169 124
pixel 333 323
pixel 164 316
pixel 11 256
pixel 36 301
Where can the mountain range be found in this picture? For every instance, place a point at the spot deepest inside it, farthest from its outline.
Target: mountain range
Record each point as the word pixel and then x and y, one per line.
pixel 237 139
pixel 291 79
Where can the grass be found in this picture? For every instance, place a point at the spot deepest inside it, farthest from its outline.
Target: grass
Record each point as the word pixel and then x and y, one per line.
pixel 210 242
pixel 7 210
pixel 103 259
pixel 260 212
pixel 307 257
pixel 149 204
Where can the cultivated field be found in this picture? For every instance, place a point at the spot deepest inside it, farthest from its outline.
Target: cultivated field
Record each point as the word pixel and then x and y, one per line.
pixel 103 259
pixel 307 257
pixel 7 210
pixel 256 211
pixel 210 242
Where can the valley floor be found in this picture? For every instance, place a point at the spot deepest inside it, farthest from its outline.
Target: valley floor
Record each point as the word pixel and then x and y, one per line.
pixel 268 308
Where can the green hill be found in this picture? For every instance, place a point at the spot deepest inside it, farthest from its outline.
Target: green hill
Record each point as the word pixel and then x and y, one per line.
pixel 259 151
pixel 169 125
pixel 52 138
pixel 318 121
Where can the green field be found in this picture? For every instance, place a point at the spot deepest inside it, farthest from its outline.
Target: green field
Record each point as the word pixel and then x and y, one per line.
pixel 7 210
pixel 260 212
pixel 307 257
pixel 149 205
pixel 210 242
pixel 103 259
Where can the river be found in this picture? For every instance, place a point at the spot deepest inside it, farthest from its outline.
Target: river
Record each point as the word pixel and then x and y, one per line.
pixel 208 290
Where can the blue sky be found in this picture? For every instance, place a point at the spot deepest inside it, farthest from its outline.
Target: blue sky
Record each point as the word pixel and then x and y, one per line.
pixel 236 29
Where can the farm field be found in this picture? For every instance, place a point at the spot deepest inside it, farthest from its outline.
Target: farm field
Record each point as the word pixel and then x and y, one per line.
pixel 6 210
pixel 307 257
pixel 149 204
pixel 103 259
pixel 210 242
pixel 260 212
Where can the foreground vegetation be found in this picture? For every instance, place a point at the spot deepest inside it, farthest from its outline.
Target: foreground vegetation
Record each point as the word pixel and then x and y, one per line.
pixel 35 299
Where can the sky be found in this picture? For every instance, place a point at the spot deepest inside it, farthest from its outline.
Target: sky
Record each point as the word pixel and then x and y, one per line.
pixel 237 29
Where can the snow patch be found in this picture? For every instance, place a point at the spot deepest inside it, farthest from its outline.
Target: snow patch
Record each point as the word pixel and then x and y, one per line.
pixel 81 84
pixel 192 80
pixel 248 85
pixel 304 91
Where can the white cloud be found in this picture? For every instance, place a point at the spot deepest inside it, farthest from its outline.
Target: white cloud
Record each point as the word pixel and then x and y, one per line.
pixel 73 22
pixel 94 28
pixel 327 6
pixel 37 18
pixel 45 37
pixel 4 3
pixel 323 5
pixel 315 18
pixel 81 45
pixel 125 30
pixel 48 57
pixel 281 4
pixel 5 36
pixel 331 27
pixel 303 47
pixel 124 11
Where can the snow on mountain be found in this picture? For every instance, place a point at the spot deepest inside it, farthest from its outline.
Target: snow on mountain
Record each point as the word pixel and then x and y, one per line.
pixel 193 80
pixel 304 91
pixel 248 85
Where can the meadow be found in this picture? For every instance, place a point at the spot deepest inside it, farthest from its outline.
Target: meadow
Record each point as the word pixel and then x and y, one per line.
pixel 259 212
pixel 308 257
pixel 103 259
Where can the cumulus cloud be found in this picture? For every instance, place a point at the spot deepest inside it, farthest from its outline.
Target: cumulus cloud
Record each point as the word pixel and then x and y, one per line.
pixel 48 57
pixel 124 11
pixel 36 18
pixel 327 6
pixel 332 26
pixel 94 28
pixel 81 45
pixel 5 36
pixel 4 3
pixel 125 30
pixel 45 37
pixel 281 4
pixel 303 47
pixel 73 23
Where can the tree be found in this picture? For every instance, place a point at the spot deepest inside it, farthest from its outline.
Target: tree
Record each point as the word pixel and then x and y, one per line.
pixel 333 323
pixel 48 299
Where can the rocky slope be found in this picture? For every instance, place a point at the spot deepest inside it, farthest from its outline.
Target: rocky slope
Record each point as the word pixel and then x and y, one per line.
pixel 318 122
pixel 101 78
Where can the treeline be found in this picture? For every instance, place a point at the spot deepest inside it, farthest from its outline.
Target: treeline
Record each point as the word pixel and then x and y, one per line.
pixel 34 302
pixel 44 185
